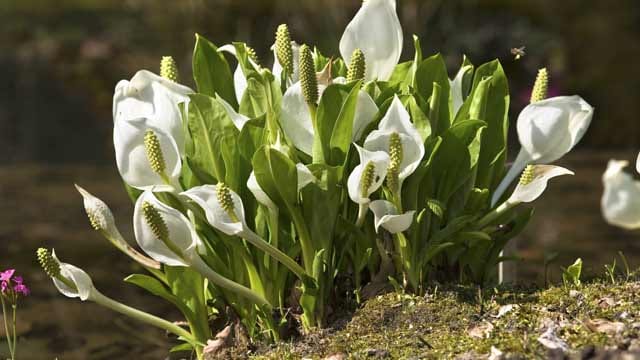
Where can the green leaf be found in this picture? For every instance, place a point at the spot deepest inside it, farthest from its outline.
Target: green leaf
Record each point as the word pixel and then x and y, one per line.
pixel 334 121
pixel 188 286
pixel 277 176
pixel 571 275
pixel 153 286
pixel 429 71
pixel 211 71
pixel 210 129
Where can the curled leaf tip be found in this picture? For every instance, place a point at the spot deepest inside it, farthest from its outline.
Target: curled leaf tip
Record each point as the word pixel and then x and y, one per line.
pixel 284 51
pixel 155 221
pixel 308 79
pixel 154 152
pixel 357 66
pixel 541 86
pixel 168 68
pixel 50 265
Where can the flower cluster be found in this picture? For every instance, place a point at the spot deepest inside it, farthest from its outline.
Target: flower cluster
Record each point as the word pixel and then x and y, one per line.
pixel 252 192
pixel 12 285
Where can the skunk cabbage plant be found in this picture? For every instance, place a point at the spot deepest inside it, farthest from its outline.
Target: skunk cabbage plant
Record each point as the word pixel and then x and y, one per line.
pixel 273 178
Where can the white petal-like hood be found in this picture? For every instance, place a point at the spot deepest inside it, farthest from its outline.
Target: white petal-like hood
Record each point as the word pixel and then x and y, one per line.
pixel 541 176
pixel 380 160
pixel 131 155
pixel 84 286
pixel 181 233
pixel 258 193
pixel 375 30
pixel 397 120
pixel 620 202
pixel 206 196
pixel 386 215
pixel 151 96
pixel 550 128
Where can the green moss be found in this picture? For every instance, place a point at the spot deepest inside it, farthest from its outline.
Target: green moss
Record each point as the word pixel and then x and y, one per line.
pixel 438 325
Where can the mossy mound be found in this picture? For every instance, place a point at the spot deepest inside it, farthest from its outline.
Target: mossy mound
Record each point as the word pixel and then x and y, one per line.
pixel 595 320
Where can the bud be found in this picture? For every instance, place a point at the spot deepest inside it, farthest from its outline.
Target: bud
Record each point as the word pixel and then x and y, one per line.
pixel 155 221
pixel 395 154
pixel 368 177
pixel 357 66
pixel 541 86
pixel 527 175
pixel 154 152
pixel 284 51
pixel 50 265
pixel 99 214
pixel 168 68
pixel 308 79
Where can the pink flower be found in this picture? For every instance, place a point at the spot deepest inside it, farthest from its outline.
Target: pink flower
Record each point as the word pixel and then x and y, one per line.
pixel 7 274
pixel 21 289
pixel 18 279
pixel 3 286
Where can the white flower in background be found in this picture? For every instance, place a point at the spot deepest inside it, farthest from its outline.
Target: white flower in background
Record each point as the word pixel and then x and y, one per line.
pixel 153 97
pixel 620 202
pixel 638 163
pixel 547 130
pixel 259 194
pixel 368 176
pixel 397 136
pixel 386 215
pixel 164 233
pixel 375 30
pixel 147 157
pixel 296 122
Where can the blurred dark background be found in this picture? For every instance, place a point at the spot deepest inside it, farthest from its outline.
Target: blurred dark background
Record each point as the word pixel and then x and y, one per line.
pixel 59 63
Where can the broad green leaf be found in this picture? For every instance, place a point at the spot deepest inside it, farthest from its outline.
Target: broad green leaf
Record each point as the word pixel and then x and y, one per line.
pixel 433 70
pixel 277 176
pixel 211 71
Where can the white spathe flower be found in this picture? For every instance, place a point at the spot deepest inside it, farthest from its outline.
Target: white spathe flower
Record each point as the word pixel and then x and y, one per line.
pixel 638 163
pixel 181 234
pixel 386 215
pixel 151 96
pixel 375 30
pixel 132 157
pixel 366 110
pixel 547 130
pixel 620 202
pixel 550 128
pixel 84 288
pixel 206 196
pixel 379 161
pixel 534 182
pixel 276 70
pixel 397 120
pixel 238 119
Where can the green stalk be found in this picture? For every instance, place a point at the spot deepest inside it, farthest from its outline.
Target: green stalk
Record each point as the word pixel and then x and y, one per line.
pixel 306 246
pixel 230 285
pixel 496 213
pixel 6 326
pixel 139 315
pixel 274 252
pixel 15 335
pixel 362 214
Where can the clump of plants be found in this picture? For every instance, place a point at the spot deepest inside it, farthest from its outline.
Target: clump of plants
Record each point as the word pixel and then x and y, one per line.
pixel 261 192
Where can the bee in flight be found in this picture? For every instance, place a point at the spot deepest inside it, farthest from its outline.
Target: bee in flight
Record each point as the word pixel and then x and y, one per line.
pixel 518 52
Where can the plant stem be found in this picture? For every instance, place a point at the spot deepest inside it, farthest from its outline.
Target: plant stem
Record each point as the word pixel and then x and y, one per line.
pixel 496 213
pixel 6 326
pixel 140 315
pixel 274 252
pixel 362 214
pixel 15 335
pixel 305 239
pixel 230 285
